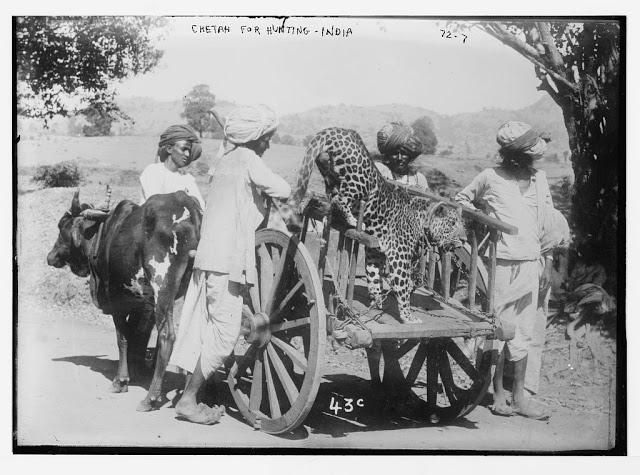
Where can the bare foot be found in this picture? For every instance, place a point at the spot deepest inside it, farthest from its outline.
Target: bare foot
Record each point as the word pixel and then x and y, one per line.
pixel 199 414
pixel 530 410
pixel 501 409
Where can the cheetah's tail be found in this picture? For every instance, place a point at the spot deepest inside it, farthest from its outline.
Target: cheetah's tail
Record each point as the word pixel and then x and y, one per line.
pixel 314 149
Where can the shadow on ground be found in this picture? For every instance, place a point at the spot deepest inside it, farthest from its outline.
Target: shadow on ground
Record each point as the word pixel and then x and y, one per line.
pixel 344 404
pixel 107 367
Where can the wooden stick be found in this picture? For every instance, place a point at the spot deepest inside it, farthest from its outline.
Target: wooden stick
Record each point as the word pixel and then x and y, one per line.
pixel 467 213
pixel 492 270
pixel 446 274
pixel 326 236
pixel 354 257
pixel 473 268
pixel 432 268
pixel 343 270
pixel 217 117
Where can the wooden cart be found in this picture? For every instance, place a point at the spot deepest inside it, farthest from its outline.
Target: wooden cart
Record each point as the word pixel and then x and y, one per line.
pixel 299 301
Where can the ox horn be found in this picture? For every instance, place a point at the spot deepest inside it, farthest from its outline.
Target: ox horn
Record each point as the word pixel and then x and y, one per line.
pixel 75 203
pixel 97 215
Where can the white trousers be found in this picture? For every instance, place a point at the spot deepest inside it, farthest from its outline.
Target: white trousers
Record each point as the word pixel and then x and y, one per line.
pixel 210 322
pixel 520 302
pixel 516 302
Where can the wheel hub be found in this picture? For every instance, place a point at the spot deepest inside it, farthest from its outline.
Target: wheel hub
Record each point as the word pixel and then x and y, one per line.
pixel 256 329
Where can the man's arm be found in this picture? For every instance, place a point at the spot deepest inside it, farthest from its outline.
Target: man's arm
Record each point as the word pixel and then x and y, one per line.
pixel 473 191
pixel 270 183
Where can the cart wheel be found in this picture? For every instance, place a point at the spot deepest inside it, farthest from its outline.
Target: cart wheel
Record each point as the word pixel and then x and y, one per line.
pixel 436 377
pixel 277 369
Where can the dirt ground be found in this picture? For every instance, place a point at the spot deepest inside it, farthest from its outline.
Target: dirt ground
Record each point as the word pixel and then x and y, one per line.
pixel 67 357
pixel 66 365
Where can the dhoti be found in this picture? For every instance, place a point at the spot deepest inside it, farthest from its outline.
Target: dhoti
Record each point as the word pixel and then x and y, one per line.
pixel 210 322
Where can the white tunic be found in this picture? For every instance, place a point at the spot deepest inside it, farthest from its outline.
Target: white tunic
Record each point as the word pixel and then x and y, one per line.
pixel 501 193
pixel 235 208
pixel 157 179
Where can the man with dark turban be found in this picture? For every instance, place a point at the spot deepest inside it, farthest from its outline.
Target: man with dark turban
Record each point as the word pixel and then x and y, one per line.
pixel 225 258
pixel 400 146
pixel 178 147
pixel 518 194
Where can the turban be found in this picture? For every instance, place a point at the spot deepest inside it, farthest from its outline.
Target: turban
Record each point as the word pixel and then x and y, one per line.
pixel 398 138
pixel 520 137
pixel 245 124
pixel 181 132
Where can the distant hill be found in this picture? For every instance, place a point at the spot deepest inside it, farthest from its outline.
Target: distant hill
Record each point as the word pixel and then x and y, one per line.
pixel 469 134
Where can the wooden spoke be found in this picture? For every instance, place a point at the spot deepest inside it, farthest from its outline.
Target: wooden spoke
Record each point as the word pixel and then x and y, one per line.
pixel 266 275
pixel 405 348
pixel 245 360
pixel 277 277
pixel 392 373
pixel 306 345
pixel 246 311
pixel 460 358
pixel 283 304
pixel 255 298
pixel 446 377
pixel 283 375
pixel 275 256
pixel 274 405
pixel 256 386
pixel 432 377
pixel 416 364
pixel 290 325
pixel 299 360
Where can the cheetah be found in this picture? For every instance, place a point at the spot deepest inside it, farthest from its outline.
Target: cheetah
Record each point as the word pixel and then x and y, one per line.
pixel 404 225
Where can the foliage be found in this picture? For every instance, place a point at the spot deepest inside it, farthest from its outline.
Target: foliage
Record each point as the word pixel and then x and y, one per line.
pixel 578 64
pixel 99 122
pixel 65 62
pixel 423 127
pixel 284 139
pixel 62 174
pixel 197 105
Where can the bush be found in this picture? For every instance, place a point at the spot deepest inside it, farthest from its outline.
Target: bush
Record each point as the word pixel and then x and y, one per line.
pixel 423 128
pixel 63 174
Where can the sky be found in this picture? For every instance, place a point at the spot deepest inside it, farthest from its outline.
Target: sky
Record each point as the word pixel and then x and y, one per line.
pixel 377 61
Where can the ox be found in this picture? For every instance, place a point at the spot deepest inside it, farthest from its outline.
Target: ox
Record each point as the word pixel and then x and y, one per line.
pixel 138 260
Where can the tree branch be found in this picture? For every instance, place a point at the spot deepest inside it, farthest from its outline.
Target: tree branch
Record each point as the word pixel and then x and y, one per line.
pixel 550 46
pixel 501 33
pixel 527 51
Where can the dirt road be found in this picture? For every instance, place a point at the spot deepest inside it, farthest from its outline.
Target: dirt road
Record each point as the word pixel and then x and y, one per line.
pixel 66 365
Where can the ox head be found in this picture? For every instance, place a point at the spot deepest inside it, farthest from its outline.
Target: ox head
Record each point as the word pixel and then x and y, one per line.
pixel 75 230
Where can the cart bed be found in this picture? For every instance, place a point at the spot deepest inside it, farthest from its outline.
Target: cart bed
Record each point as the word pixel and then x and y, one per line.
pixel 440 318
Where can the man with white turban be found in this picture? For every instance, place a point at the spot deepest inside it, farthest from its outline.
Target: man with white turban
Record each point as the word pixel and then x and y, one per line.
pixel 518 194
pixel 225 258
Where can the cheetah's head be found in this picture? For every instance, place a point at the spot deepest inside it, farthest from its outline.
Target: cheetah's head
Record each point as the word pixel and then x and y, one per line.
pixel 445 228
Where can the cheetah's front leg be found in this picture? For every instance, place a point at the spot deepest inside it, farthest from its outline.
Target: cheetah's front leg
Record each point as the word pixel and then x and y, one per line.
pixel 399 275
pixel 343 205
pixel 374 264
